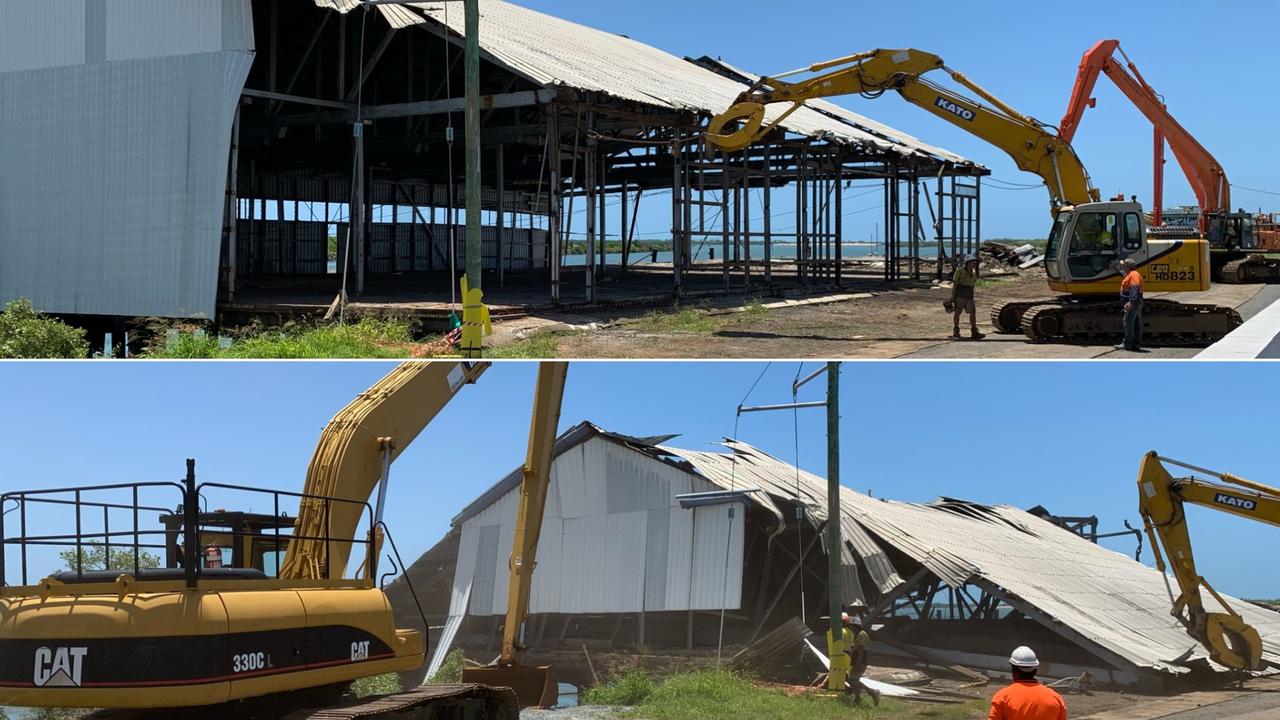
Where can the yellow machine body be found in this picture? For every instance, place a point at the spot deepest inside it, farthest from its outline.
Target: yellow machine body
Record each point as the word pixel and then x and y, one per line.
pixel 158 644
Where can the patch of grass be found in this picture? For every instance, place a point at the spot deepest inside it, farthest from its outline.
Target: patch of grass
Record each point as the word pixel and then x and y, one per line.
pixel 630 688
pixel 384 684
pixel 450 670
pixel 682 320
pixel 543 345
pixel 25 333
pixel 368 338
pixel 726 696
pixel 756 308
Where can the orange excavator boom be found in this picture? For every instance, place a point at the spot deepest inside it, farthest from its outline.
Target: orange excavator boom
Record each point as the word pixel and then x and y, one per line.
pixel 1203 172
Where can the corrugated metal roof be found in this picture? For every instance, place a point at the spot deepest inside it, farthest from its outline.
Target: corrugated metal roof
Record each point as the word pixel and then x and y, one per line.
pixel 1096 596
pixel 554 52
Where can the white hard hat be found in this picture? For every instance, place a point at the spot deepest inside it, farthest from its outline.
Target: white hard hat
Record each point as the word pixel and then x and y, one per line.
pixel 1025 658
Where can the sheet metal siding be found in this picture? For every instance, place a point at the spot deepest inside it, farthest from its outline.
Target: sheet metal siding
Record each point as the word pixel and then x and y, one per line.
pixel 41 34
pixel 609 542
pixel 114 171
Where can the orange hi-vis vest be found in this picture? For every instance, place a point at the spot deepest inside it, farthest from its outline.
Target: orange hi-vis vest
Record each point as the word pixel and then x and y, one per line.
pixel 1027 700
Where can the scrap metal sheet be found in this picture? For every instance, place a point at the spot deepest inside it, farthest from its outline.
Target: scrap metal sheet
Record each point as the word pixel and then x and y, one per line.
pixel 1098 598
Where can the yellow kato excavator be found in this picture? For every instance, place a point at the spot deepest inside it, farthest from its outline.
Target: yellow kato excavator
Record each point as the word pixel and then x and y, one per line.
pixel 1088 236
pixel 247 606
pixel 1162 499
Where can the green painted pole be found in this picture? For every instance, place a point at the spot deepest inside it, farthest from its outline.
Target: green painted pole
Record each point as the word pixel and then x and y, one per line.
pixel 835 589
pixel 472 63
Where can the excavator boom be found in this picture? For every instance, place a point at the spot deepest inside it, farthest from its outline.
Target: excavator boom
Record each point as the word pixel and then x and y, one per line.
pixel 1161 500
pixel 1205 174
pixel 533 685
pixel 1031 146
pixel 354 454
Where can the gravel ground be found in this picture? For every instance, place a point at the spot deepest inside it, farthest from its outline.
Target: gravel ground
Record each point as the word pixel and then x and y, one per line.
pixel 587 712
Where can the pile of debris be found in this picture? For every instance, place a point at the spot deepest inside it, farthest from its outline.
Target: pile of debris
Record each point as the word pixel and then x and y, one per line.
pixel 1020 256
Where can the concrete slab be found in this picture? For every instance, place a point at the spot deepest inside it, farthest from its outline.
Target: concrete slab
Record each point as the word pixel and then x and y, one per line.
pixel 1258 338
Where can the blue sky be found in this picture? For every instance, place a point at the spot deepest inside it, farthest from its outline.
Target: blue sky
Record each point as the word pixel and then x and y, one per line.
pixel 1065 435
pixel 1026 54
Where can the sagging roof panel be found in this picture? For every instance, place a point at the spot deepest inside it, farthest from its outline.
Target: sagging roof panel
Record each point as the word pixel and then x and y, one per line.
pixel 554 52
pixel 1104 600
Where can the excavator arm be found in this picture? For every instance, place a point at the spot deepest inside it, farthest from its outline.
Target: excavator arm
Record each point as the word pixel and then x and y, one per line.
pixel 1203 171
pixel 354 456
pixel 1162 499
pixel 533 685
pixel 1031 146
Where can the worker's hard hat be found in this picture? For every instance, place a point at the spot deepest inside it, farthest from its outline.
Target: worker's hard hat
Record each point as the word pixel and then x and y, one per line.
pixel 844 618
pixel 1025 658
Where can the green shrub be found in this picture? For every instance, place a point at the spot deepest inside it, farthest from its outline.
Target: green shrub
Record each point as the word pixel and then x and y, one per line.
pixel 368 338
pixel 384 684
pixel 450 670
pixel 631 688
pixel 25 333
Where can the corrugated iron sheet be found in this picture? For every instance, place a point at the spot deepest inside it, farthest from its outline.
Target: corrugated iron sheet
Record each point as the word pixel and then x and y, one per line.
pixel 117 121
pixel 554 52
pixel 1096 597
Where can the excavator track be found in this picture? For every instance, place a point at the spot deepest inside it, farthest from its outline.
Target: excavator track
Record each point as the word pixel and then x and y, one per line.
pixel 1006 317
pixel 1251 269
pixel 456 701
pixel 1165 322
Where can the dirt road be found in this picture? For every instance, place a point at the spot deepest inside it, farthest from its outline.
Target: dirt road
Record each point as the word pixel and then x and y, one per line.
pixel 874 320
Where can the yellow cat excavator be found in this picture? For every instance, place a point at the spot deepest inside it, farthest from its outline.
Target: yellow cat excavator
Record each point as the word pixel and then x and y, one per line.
pixel 253 607
pixel 1161 500
pixel 1088 237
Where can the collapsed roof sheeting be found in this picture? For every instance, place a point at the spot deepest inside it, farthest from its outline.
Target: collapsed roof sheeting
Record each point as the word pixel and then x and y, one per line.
pixel 1103 600
pixel 554 52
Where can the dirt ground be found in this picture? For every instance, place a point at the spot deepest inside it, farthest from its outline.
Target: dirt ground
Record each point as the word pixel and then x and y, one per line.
pixel 869 319
pixel 1256 700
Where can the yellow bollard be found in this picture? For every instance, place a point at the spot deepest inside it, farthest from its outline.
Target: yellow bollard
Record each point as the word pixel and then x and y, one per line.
pixel 838 675
pixel 475 321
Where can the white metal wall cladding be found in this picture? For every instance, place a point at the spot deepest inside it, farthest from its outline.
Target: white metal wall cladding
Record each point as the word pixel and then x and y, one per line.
pixel 116 118
pixel 614 539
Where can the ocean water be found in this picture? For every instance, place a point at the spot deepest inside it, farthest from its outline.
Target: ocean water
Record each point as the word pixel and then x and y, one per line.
pixel 781 251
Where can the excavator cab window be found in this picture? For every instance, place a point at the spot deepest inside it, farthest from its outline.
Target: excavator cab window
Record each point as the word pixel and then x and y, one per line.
pixel 1060 224
pixel 1093 249
pixel 1132 232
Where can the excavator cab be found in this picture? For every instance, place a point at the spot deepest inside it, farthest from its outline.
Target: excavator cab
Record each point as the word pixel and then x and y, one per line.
pixel 1088 240
pixel 230 539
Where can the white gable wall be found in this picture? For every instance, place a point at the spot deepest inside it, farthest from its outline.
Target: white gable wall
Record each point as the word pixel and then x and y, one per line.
pixel 614 539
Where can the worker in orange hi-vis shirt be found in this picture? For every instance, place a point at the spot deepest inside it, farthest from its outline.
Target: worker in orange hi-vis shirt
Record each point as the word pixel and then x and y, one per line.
pixel 1026 698
pixel 1131 292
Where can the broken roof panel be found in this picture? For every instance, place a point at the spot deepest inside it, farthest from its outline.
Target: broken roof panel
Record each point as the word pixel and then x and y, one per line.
pixel 554 52
pixel 1103 600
